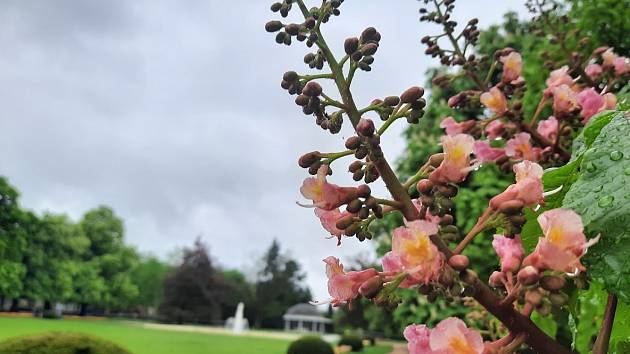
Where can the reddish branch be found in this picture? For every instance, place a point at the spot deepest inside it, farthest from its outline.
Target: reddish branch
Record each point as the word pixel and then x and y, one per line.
pixel 603 338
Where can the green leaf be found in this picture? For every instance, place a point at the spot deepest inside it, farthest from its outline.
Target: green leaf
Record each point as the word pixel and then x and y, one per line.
pixel 601 196
pixel 591 132
pixel 547 324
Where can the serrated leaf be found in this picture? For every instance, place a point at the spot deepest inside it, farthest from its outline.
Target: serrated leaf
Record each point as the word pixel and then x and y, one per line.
pixel 602 198
pixel 591 132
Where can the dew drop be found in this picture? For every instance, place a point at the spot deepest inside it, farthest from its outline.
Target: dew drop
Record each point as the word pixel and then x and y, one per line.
pixel 605 201
pixel 614 140
pixel 616 155
pixel 590 167
pixel 598 189
pixel 627 171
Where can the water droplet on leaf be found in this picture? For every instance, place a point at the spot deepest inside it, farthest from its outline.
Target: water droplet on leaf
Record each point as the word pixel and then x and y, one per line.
pixel 627 171
pixel 598 189
pixel 605 201
pixel 616 155
pixel 614 140
pixel 590 167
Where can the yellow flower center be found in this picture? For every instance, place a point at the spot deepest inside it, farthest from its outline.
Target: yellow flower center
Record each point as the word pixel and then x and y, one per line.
pixel 556 235
pixel 417 250
pixel 459 345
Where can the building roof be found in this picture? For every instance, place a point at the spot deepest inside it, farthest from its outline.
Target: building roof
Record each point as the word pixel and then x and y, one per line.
pixel 305 312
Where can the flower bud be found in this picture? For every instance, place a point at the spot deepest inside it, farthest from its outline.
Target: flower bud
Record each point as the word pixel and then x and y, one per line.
pixel 459 262
pixel 412 94
pixel 353 142
pixel 308 159
pixel 302 100
pixel 273 26
pixel 448 191
pixel 436 159
pixel 312 89
pixel 446 220
pixel 276 6
pixel 558 299
pixel 364 213
pixel 391 101
pixel 446 279
pixel 292 29
pixel 352 229
pixel 358 175
pixel 365 127
pixel 468 276
pixel 369 49
pixel 361 153
pixel 310 23
pixel 345 222
pixel 363 191
pixel 350 45
pixel 534 297
pixel 369 33
pixel 496 279
pixel 552 282
pixel 290 76
pixel 517 220
pixel 424 186
pixel 354 206
pixel 528 275
pixel 371 287
pixel 511 207
pixel 355 166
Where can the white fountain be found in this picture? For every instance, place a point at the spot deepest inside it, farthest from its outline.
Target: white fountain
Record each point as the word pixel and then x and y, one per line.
pixel 238 324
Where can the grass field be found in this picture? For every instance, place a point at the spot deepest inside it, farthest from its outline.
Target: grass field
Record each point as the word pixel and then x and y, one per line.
pixel 152 341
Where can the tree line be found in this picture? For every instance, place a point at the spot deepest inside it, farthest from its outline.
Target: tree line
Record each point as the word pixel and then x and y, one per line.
pixel 48 259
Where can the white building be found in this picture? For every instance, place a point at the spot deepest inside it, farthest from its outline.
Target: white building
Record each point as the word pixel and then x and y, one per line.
pixel 305 318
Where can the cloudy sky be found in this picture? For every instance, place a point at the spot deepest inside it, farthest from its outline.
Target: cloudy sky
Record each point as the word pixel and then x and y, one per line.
pixel 171 113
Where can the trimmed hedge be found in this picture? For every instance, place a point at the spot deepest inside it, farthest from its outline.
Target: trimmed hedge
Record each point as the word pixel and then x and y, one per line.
pixel 355 342
pixel 309 345
pixel 60 343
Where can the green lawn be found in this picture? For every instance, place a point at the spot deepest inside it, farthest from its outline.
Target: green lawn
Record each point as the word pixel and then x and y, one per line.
pixel 151 341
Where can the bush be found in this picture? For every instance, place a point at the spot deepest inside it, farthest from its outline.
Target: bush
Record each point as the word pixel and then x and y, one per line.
pixel 353 341
pixel 60 343
pixel 309 345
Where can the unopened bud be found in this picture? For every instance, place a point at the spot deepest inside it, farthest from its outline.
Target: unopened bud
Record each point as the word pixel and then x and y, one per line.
pixel 528 275
pixel 436 159
pixel 391 100
pixel 369 49
pixel 358 175
pixel 412 94
pixel 355 166
pixel 273 26
pixel 365 127
pixel 364 213
pixel 511 207
pixel 517 220
pixel 292 29
pixel 446 220
pixel 354 206
pixel 352 229
pixel 350 45
pixel 558 299
pixel 302 100
pixel 312 89
pixel 353 142
pixel 459 262
pixel 424 186
pixel 446 279
pixel 308 159
pixel 552 282
pixel 345 222
pixel 448 191
pixel 533 297
pixel 310 23
pixel 363 191
pixel 371 287
pixel 361 152
pixel 496 279
pixel 290 76
pixel 468 276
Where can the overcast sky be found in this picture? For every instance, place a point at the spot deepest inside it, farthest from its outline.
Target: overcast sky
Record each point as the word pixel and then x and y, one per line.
pixel 171 113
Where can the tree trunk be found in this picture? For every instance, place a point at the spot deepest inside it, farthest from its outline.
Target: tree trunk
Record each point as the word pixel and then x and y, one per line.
pixel 14 305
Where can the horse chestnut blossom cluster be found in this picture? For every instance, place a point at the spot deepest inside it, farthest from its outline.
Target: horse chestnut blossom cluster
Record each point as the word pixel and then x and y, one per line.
pixel 426 250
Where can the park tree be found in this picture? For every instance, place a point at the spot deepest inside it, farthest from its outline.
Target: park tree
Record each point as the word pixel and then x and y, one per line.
pixel 194 290
pixel 279 286
pixel 13 241
pixel 239 289
pixel 55 248
pixel 563 138
pixel 110 259
pixel 148 275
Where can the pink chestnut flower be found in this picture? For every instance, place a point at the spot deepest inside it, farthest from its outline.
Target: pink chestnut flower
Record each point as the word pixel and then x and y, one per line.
pixel 564 100
pixel 617 63
pixel 592 103
pixel 520 146
pixel 494 129
pixel 456 164
pixel 512 67
pixel 329 219
pixel 528 187
pixel 451 336
pixel 593 71
pixel 414 253
pixel 427 215
pixel 563 243
pixel 510 251
pixel 344 287
pixel 325 195
pixel 558 78
pixel 548 128
pixel 452 127
pixel 417 337
pixel 494 100
pixel 485 153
